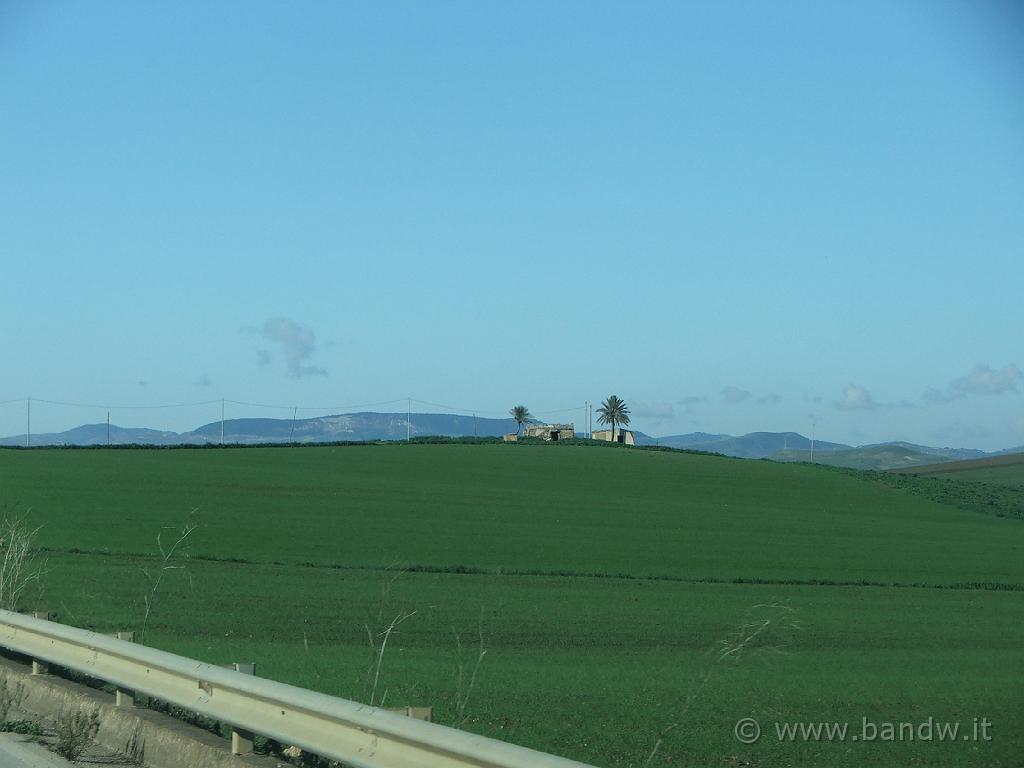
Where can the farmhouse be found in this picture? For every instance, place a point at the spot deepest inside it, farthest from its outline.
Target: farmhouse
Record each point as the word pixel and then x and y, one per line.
pixel 621 436
pixel 551 432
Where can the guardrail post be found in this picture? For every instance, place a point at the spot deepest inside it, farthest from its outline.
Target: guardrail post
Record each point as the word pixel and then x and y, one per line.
pixel 38 667
pixel 417 713
pixel 241 741
pixel 124 697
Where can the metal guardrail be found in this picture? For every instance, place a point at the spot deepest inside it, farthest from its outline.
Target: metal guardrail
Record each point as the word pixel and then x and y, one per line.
pixel 338 729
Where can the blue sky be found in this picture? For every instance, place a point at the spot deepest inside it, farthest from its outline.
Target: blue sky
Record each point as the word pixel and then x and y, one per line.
pixel 737 216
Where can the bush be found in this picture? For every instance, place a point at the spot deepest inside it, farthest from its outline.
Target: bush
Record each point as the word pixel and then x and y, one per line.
pixel 23 727
pixel 19 565
pixel 11 696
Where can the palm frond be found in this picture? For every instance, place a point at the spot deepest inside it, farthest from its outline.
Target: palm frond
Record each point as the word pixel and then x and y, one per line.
pixel 613 411
pixel 521 414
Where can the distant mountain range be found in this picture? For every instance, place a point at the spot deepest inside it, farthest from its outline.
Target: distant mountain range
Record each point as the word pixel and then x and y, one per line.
pixel 322 429
pixel 778 446
pixel 792 446
pixel 887 456
pixel 755 445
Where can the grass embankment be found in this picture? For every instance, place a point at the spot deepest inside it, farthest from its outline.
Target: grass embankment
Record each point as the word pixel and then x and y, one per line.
pixel 599 579
pixel 998 470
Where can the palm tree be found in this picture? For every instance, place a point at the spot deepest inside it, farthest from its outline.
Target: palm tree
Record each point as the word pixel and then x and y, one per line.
pixel 613 411
pixel 522 415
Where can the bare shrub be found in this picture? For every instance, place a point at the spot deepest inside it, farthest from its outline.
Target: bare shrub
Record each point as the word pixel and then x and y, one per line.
pixel 167 563
pixel 135 747
pixel 762 631
pixel 11 696
pixel 75 732
pixel 465 679
pixel 378 645
pixel 378 633
pixel 20 566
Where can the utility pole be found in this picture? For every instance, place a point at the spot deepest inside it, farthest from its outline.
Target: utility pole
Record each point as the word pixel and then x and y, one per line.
pixel 474 425
pixel 408 420
pixel 28 422
pixel 814 423
pixel 295 412
pixel 222 421
pixel 108 429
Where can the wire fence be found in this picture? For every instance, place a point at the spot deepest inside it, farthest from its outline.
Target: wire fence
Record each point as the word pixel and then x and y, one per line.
pixel 34 421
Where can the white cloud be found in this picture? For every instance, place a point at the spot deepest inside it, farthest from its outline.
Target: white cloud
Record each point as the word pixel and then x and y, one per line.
pixel 296 341
pixel 692 400
pixel 983 380
pixel 653 411
pixel 855 398
pixel 769 399
pixel 735 394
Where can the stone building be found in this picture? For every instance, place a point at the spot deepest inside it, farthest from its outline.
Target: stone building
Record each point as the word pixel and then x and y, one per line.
pixel 624 436
pixel 550 432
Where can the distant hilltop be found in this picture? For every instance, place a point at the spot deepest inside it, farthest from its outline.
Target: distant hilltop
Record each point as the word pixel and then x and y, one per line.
pixel 369 426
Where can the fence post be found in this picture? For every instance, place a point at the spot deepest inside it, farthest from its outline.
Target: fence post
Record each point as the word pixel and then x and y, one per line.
pixel 241 741
pixel 39 667
pixel 124 697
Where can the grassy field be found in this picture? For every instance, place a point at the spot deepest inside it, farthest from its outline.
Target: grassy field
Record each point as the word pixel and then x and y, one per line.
pixel 1009 461
pixel 1012 476
pixel 998 470
pixel 599 582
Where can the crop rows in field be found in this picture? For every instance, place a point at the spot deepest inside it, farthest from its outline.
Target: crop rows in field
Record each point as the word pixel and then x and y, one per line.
pixel 599 582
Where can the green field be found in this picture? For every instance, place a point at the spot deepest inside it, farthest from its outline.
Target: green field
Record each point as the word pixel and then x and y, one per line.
pixel 997 470
pixel 600 580
pixel 1012 476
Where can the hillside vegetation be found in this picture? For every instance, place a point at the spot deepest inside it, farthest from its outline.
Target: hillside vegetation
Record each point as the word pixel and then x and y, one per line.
pixel 1007 469
pixel 868 457
pixel 596 580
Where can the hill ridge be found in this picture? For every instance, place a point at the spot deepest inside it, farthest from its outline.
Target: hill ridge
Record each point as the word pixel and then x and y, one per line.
pixel 374 426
